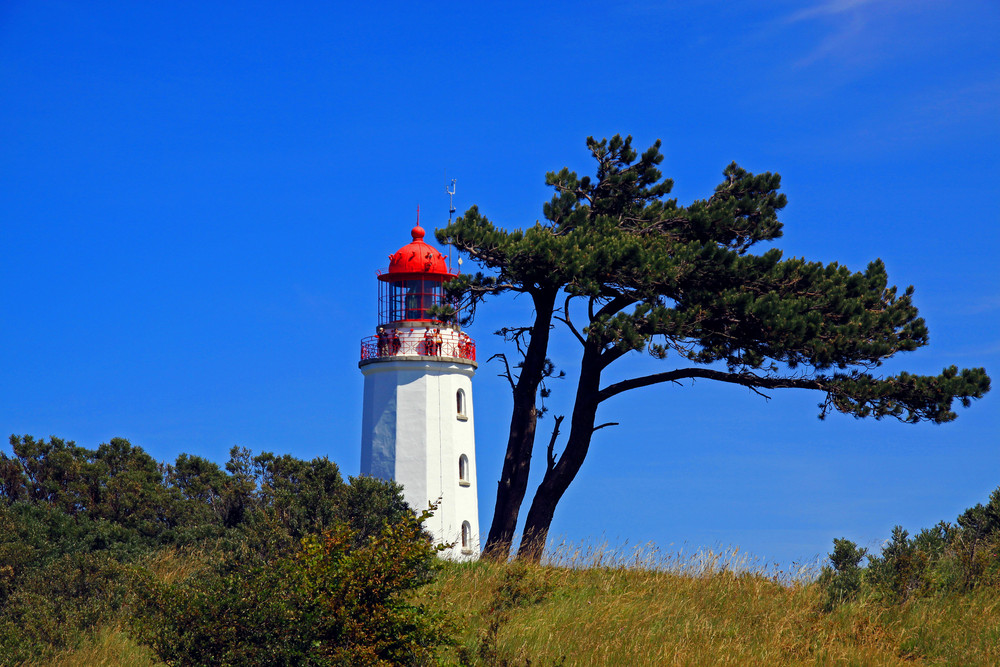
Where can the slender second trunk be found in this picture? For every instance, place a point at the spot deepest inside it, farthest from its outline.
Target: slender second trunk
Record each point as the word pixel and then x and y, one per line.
pixel 517 462
pixel 559 474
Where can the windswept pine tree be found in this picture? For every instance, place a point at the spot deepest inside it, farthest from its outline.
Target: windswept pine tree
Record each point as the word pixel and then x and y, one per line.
pixel 628 269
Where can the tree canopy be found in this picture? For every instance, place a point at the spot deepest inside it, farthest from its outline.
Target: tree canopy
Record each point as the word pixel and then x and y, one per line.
pixel 280 561
pixel 627 269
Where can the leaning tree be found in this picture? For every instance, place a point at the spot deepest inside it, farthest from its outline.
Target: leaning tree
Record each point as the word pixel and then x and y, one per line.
pixel 628 270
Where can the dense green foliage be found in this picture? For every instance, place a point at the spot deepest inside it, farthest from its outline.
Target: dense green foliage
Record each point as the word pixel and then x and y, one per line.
pixel 627 269
pixel 331 602
pixel 293 562
pixel 947 558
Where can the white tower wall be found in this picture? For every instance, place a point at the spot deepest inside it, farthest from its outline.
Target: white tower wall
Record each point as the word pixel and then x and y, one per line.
pixel 414 433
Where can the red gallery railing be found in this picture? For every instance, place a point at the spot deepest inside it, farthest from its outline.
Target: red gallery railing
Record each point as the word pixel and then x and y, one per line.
pixel 419 343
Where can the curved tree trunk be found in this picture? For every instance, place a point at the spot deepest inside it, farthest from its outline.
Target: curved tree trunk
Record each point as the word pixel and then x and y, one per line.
pixel 517 462
pixel 559 474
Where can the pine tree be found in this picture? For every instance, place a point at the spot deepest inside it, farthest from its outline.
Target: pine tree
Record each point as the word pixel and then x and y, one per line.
pixel 679 283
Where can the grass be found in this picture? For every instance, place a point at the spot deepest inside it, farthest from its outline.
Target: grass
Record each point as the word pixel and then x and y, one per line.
pixel 111 647
pixel 591 606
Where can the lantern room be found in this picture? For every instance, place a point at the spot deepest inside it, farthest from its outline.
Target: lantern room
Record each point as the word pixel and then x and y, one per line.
pixel 414 282
pixel 407 293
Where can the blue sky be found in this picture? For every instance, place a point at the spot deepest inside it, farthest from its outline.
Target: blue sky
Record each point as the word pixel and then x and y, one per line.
pixel 195 199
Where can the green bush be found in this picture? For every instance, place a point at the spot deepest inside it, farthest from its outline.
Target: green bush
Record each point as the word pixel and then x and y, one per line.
pixel 903 568
pixel 843 581
pixel 54 605
pixel 944 559
pixel 332 602
pixel 78 525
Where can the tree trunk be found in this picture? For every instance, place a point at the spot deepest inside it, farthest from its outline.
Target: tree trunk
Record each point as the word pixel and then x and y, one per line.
pixel 558 476
pixel 517 462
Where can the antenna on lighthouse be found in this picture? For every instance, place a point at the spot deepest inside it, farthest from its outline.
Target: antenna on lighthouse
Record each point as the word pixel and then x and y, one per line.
pixel 450 191
pixel 451 199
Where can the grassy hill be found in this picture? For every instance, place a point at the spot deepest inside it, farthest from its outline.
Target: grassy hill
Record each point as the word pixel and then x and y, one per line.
pixel 109 558
pixel 511 614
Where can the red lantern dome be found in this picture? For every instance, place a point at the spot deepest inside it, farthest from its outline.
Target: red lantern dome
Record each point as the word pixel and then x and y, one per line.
pixel 416 259
pixel 413 286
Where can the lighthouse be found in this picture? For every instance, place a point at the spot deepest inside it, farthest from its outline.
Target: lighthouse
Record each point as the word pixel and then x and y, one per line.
pixel 418 423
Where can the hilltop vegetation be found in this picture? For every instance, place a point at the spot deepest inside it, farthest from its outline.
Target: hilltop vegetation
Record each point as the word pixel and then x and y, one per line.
pixel 536 615
pixel 281 562
pixel 107 557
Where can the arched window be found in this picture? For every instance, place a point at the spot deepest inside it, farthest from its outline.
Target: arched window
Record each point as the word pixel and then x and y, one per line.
pixel 460 403
pixel 466 537
pixel 463 470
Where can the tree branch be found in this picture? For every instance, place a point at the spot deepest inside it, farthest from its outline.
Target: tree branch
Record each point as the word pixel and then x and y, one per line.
pixel 568 323
pixel 549 455
pixel 615 305
pixel 746 379
pixel 610 355
pixel 506 373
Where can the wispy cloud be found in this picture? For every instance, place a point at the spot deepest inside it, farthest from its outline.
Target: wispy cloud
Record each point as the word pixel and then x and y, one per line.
pixel 831 8
pixel 855 31
pixel 978 352
pixel 897 69
pixel 987 304
pixel 838 42
pixel 935 114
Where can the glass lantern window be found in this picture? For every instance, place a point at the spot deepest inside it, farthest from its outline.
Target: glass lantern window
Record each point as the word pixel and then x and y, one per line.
pixel 410 300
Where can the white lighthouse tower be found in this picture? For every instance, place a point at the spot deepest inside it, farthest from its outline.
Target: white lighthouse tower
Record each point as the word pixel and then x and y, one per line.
pixel 418 418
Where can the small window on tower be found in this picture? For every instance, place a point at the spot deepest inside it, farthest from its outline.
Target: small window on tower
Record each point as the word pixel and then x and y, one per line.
pixel 460 402
pixel 466 537
pixel 463 470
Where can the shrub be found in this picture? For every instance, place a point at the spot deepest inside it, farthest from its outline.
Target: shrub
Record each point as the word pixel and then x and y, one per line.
pixel 77 526
pixel 902 569
pixel 332 602
pixel 977 542
pixel 945 558
pixel 843 581
pixel 55 605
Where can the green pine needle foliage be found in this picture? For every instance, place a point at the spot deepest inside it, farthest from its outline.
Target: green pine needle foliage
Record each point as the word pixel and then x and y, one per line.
pixel 682 283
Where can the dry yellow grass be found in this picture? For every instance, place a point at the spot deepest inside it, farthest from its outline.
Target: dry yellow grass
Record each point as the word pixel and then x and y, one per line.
pixel 172 565
pixel 111 647
pixel 686 613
